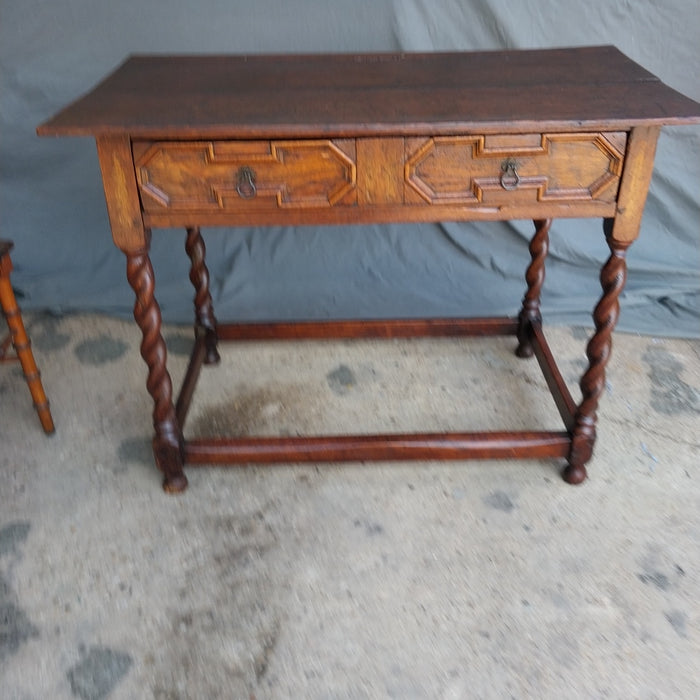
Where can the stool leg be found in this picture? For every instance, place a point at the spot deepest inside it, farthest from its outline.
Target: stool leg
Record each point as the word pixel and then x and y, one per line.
pixel 23 347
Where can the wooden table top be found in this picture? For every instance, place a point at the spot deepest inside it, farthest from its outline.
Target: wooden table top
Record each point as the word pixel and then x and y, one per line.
pixel 287 96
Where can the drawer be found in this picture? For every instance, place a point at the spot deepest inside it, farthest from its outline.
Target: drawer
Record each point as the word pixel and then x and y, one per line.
pixel 210 176
pixel 514 169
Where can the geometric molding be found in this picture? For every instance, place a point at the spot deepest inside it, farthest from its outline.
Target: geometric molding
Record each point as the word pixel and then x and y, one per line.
pixel 551 167
pixel 202 175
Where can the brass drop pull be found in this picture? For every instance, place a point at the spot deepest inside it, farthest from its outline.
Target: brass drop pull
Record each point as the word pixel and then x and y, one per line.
pixel 245 183
pixel 509 174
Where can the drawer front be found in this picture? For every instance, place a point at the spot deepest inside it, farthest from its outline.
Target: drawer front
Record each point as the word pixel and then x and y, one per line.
pixel 514 169
pixel 211 176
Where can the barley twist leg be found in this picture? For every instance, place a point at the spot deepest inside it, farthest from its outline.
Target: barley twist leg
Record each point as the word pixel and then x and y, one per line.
pixel 22 345
pixel 203 307
pixel 530 312
pixel 168 441
pixel 612 279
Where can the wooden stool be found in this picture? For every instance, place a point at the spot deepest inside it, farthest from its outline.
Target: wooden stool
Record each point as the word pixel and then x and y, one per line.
pixel 19 339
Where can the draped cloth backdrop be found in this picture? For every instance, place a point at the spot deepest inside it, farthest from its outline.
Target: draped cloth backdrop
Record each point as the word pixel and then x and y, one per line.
pixel 52 203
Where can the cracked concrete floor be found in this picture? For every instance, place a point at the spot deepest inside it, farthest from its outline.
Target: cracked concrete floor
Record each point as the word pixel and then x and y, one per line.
pixel 400 580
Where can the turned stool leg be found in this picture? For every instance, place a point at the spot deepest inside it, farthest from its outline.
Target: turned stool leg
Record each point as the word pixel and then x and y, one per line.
pixel 20 340
pixel 530 312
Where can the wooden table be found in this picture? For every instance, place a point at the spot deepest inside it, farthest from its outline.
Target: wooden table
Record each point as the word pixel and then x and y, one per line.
pixel 350 139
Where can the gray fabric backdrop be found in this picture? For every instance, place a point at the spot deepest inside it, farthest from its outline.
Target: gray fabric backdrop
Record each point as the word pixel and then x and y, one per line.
pixel 52 203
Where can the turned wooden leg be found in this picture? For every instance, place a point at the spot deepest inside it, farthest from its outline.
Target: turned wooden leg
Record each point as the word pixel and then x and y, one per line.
pixel 612 280
pixel 203 307
pixel 168 442
pixel 530 312
pixel 21 342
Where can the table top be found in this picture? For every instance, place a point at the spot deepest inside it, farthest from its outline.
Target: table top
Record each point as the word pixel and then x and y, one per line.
pixel 288 96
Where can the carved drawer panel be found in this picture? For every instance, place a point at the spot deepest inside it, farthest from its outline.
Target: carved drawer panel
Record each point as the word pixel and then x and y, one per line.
pixel 514 169
pixel 207 176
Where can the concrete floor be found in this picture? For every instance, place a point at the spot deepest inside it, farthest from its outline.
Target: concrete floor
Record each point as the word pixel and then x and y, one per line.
pixel 409 580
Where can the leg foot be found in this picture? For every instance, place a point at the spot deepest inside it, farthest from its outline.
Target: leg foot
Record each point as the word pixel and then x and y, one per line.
pixel 212 357
pixel 524 349
pixel 175 484
pixel 211 340
pixel 168 456
pixel 45 418
pixel 574 474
